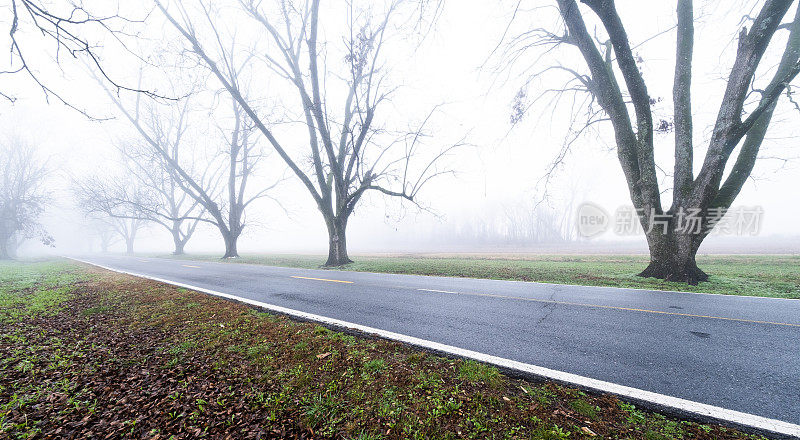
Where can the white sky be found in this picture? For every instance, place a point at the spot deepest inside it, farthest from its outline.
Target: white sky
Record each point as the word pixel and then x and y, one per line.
pixel 450 66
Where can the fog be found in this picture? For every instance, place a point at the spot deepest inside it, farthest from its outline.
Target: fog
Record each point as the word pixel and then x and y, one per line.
pixel 496 187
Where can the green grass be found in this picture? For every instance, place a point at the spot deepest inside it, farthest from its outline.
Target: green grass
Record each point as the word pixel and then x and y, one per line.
pixel 756 275
pixel 31 289
pixel 476 372
pixel 584 408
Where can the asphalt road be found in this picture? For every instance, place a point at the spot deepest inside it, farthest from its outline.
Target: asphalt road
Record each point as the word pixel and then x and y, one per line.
pixel 738 353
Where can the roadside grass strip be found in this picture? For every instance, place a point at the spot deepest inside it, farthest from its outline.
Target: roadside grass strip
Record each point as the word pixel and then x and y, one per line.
pixel 775 276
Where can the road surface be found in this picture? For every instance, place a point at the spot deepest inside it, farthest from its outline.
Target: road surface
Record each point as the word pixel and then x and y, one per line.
pixel 738 353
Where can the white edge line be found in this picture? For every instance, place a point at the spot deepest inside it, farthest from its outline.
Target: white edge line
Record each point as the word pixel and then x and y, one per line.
pixel 701 409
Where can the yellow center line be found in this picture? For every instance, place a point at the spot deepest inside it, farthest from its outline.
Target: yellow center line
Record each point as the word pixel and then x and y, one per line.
pixel 189 265
pixel 627 309
pixel 322 279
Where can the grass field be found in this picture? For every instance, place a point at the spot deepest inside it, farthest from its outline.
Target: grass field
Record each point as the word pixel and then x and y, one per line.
pixel 756 275
pixel 86 353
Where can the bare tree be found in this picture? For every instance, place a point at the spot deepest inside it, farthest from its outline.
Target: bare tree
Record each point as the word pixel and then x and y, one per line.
pixel 221 189
pixel 72 31
pixel 118 202
pixel 743 118
pixel 161 199
pixel 103 230
pixel 150 192
pixel 349 153
pixel 169 206
pixel 126 228
pixel 22 196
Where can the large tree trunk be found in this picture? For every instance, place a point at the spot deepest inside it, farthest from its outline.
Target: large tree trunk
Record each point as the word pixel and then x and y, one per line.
pixel 672 257
pixel 231 240
pixel 179 244
pixel 177 241
pixel 129 245
pixel 337 242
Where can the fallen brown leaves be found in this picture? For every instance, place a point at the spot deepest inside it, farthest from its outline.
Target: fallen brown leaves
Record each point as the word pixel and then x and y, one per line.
pixel 122 384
